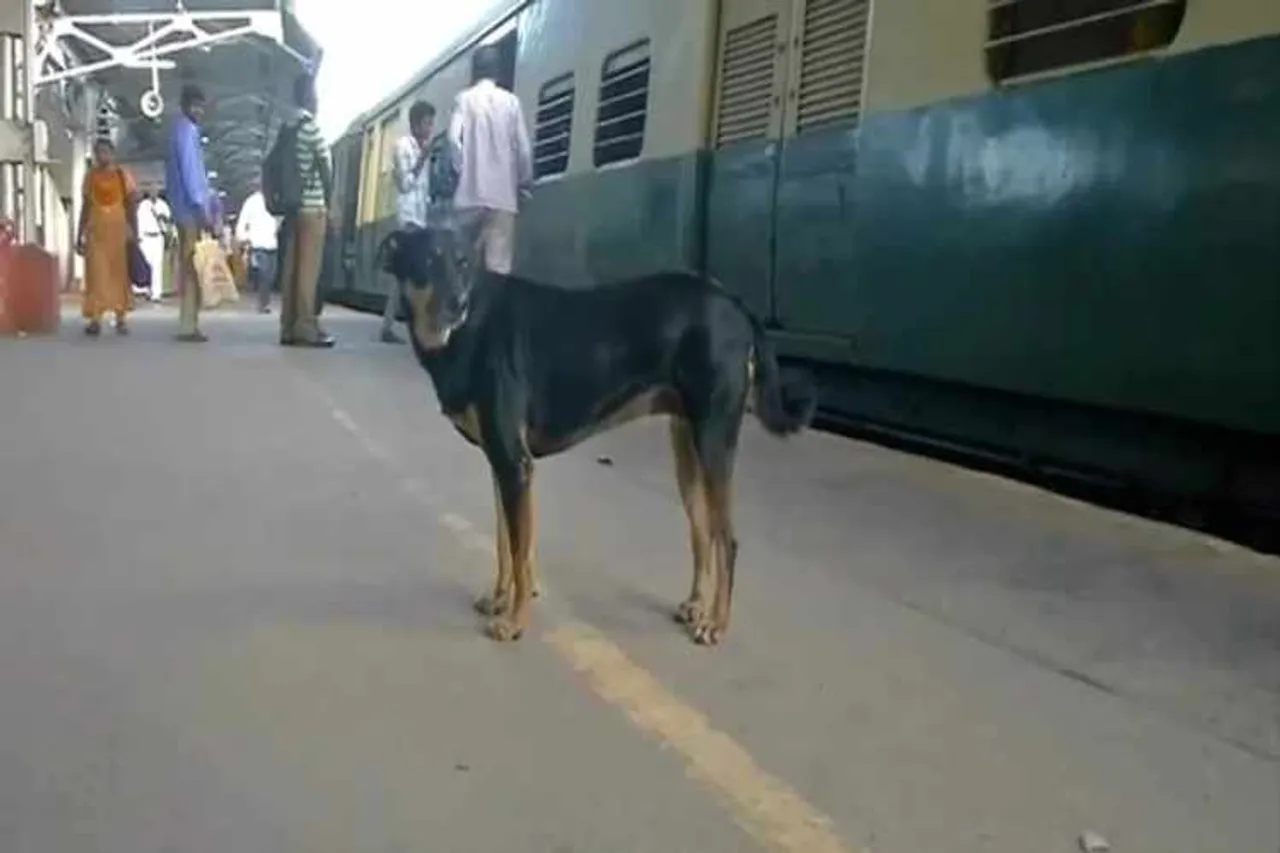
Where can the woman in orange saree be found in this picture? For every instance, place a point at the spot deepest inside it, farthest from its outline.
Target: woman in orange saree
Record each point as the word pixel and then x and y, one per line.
pixel 107 223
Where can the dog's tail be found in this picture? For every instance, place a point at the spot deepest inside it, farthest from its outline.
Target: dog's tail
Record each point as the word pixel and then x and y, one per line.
pixel 785 401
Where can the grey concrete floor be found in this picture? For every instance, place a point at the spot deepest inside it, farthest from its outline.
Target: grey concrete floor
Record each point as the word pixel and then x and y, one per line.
pixel 235 616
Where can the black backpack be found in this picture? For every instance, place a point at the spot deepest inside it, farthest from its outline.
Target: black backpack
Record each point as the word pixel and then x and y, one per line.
pixel 281 175
pixel 444 171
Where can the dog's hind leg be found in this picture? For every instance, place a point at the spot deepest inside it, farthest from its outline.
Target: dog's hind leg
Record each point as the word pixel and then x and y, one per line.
pixel 719 503
pixel 693 493
pixel 497 603
pixel 535 581
pixel 716 438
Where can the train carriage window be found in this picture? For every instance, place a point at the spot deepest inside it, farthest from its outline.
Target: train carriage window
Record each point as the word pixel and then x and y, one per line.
pixel 1030 37
pixel 553 127
pixel 624 105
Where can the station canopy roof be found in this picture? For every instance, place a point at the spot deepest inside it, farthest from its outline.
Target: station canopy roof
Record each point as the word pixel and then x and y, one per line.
pixel 245 55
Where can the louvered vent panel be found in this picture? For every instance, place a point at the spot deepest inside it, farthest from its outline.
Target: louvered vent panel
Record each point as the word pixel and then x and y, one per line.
pixel 623 109
pixel 553 127
pixel 832 55
pixel 746 81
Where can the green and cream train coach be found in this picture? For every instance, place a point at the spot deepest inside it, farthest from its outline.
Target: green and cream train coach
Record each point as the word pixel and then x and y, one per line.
pixel 1049 230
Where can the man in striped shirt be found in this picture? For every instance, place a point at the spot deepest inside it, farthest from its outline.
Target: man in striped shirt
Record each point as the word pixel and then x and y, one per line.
pixel 303 232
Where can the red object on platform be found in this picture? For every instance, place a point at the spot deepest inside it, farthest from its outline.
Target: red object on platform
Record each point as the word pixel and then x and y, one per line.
pixel 29 300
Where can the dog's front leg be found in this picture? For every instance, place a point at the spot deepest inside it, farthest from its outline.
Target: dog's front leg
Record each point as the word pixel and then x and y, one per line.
pixel 513 475
pixel 516 493
pixel 498 603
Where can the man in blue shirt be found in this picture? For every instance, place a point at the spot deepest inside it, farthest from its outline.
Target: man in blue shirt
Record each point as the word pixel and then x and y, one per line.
pixel 187 185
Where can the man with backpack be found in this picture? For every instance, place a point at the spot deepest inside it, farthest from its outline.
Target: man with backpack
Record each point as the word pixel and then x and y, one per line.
pixel 297 183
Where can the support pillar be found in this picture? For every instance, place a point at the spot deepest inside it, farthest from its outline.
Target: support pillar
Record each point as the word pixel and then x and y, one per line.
pixel 19 195
pixel 28 273
pixel 80 149
pixel 12 129
pixel 32 196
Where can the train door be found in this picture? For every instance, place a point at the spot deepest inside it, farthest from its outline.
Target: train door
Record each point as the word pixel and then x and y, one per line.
pixel 746 132
pixel 331 268
pixel 351 209
pixel 348 188
pixel 367 214
pixel 385 222
pixel 815 290
pixel 506 38
pixel 508 47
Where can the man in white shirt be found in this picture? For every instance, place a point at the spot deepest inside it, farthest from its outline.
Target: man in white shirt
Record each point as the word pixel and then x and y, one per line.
pixel 413 190
pixel 258 229
pixel 154 218
pixel 494 158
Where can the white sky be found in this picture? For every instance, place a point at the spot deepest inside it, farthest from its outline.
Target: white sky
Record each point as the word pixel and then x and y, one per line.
pixel 373 46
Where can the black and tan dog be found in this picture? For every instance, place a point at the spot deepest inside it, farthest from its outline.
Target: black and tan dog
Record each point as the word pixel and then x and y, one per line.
pixel 527 370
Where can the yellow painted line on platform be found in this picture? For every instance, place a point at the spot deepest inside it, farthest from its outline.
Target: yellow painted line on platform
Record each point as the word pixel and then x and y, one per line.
pixel 765 806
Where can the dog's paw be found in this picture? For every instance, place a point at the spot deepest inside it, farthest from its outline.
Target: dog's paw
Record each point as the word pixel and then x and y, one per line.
pixel 705 632
pixel 690 612
pixel 490 606
pixel 503 630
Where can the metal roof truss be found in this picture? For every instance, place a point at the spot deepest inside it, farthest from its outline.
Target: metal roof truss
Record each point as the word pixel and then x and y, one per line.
pixel 164 34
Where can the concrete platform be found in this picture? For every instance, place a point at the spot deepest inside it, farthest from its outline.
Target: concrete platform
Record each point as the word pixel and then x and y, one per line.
pixel 235 616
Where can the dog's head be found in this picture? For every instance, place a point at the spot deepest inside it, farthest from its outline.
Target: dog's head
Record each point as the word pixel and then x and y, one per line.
pixel 437 267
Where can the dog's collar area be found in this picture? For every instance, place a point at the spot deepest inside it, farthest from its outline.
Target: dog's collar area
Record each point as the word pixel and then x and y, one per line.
pixel 451 321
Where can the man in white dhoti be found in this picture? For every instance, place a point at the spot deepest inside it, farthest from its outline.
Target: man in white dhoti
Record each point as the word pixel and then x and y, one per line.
pixel 259 230
pixel 154 218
